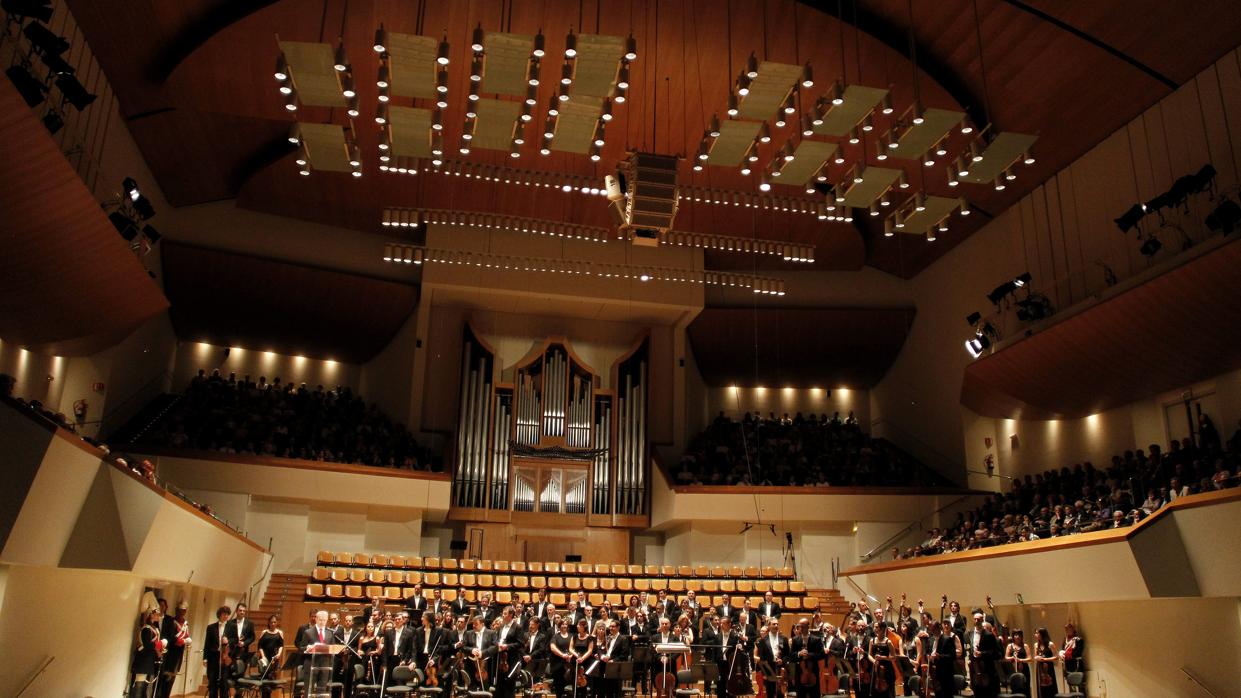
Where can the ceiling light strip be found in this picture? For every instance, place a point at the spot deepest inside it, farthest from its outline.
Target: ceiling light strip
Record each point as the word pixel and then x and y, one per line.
pixel 410 217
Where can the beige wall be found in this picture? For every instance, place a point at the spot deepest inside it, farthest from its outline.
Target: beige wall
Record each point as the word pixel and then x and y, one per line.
pixel 39 377
pixel 1061 233
pixel 388 378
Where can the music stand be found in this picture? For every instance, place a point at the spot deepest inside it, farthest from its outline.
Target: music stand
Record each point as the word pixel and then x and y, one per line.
pixel 322 660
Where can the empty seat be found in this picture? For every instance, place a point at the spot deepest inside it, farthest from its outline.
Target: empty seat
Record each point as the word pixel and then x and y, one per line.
pixel 751 571
pixel 735 571
pixel 449 564
pixel 538 582
pixel 634 570
pixel 694 585
pixel 502 566
pixel 376 576
pixel 398 561
pixel 792 603
pixel 486 580
pixel 569 568
pixel 320 574
pixel 522 596
pixel 572 582
pixel 468 579
pixel 361 559
pixel 711 586
pixel 344 558
pixel 728 586
pixel 769 571
pixel 504 580
pixel 641 584
pixel 504 597
pixel 650 570
pixel 616 600
pixel 449 579
pixel 719 572
pixel 519 566
pixel 810 603
pixel 607 583
pixel 413 577
pixel 785 572
pixel 336 591
pixel 797 587
pixel 379 560
pixel 393 593
pixel 676 585
pixel 394 577
pixel 314 591
pixel 325 558
pixel 667 571
pixel 431 578
pixel 617 570
pixel 521 581
pixel 762 586
pixel 756 601
pixel 594 599
pixel 780 586
pixel 601 568
pixel 484 566
pixel 555 582
pixel 356 576
pixel 449 595
pixel 745 586
pixel 535 566
pixel 373 590
pixel 590 583
pixel 468 564
pixel 557 598
pixel 553 567
pixel 702 571
pixel 624 583
pixel 430 563
pixel 685 571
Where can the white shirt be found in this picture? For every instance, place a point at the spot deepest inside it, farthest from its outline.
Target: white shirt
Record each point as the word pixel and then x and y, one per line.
pixel 396 639
pixel 478 639
pixel 774 641
pixel 322 633
pixel 611 644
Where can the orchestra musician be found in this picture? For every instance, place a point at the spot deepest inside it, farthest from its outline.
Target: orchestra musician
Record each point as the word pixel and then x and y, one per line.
pixel 615 648
pixel 1044 660
pixel 1018 654
pixel 807 650
pixel 437 606
pixel 726 608
pixel 581 651
pixel 984 653
pixel 370 645
pixel 148 654
pixel 415 604
pixel 460 606
pixel 428 642
pixel 214 649
pixel 175 631
pixel 769 608
pixel 773 649
pixel 535 648
pixel 509 649
pixel 539 605
pixel 240 634
pixel 480 647
pixel 398 643
pixel 1072 653
pixel 946 650
pixel 270 648
pixel 561 654
pixel 726 650
pixel 833 651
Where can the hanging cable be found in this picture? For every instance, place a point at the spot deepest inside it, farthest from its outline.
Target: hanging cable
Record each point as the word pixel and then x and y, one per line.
pixel 982 69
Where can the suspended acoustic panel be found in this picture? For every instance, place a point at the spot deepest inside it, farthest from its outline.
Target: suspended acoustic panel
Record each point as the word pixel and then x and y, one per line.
pixel 575 127
pixel 769 90
pixel 919 138
pixel 860 100
pixel 507 63
pixel 1002 152
pixel 494 129
pixel 736 137
pixel 411 131
pixel 412 66
pixel 875 181
pixel 808 158
pixel 937 207
pixel 597 62
pixel 311 68
pixel 325 143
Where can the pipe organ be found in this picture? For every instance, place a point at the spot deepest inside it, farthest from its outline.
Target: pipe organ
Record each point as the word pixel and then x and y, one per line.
pixel 544 436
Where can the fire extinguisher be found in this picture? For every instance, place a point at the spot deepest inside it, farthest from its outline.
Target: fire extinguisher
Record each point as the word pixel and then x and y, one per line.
pixel 79 410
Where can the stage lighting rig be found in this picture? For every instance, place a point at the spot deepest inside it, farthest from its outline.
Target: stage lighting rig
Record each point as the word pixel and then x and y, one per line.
pixel 1035 306
pixel 1225 217
pixel 982 340
pixel 40 10
pixel 1004 290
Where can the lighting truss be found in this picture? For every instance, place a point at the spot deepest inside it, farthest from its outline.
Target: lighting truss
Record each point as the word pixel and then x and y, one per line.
pixel 403 253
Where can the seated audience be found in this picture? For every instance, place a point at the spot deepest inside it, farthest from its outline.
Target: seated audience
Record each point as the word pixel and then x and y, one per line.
pixel 814 450
pixel 240 416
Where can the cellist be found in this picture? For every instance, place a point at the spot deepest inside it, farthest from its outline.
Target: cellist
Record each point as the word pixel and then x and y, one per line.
pixel 807 651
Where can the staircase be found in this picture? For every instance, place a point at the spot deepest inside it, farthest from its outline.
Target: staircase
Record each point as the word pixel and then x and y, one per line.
pixel 132 431
pixel 832 604
pixel 281 588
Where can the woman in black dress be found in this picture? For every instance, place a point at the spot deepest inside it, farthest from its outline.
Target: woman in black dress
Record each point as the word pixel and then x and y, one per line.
pixel 882 657
pixel 561 649
pixel 371 645
pixel 271 651
pixel 1018 654
pixel 1044 664
pixel 582 651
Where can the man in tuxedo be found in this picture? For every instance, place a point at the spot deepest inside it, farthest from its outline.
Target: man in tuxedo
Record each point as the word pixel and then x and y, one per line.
pixel 486 610
pixel 954 622
pixel 769 609
pixel 460 606
pixel 662 636
pixel 726 609
pixel 427 642
pixel 572 613
pixel 240 634
pixel 807 647
pixel 398 643
pixel 984 655
pixel 455 640
pixel 583 605
pixel 692 601
pixel 215 645
pixel 480 646
pixel 349 635
pixel 773 649
pixel 724 650
pixel 415 604
pixel 614 649
pixel 538 606
pixel 534 647
pixel 509 646
pixel 437 605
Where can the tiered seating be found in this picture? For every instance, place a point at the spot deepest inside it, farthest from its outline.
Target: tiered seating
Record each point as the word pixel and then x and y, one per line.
pixel 358 577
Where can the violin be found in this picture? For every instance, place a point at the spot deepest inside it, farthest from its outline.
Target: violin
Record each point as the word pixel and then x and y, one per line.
pixel 581 676
pixel 431 676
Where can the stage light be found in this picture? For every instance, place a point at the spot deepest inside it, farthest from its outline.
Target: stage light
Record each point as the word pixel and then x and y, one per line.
pixel 570 45
pixel 807 75
pixel 342 61
pixel 1022 280
pixel 1036 307
pixel 124 225
pixel 973 318
pixel 52 121
pixel 57 64
pixel 31 90
pixel 441 54
pixel 476 42
pixel 152 235
pixel 1225 217
pixel 631 49
pixel 74 92
pixel 1129 219
pixel 751 67
pixel 1151 246
pixel 539 45
pixel 130 187
pixel 144 209
pixel 44 40
pixel 34 9
pixel 381 39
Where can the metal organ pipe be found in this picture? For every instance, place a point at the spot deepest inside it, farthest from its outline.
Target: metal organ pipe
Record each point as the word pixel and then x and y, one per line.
pixel 480 429
pixel 640 442
pixel 460 475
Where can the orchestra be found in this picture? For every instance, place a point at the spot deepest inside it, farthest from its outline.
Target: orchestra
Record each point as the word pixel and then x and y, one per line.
pixel 595 651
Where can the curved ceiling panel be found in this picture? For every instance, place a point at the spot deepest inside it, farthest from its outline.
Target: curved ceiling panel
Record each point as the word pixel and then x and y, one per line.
pixel 1168 333
pixel 68 283
pixel 230 299
pixel 799 347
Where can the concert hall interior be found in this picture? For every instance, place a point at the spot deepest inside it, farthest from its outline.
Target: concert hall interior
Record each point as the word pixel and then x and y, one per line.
pixel 793 347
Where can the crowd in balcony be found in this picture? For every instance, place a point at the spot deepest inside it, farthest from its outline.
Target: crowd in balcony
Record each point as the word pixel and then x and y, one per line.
pixel 815 450
pixel 259 418
pixel 1084 498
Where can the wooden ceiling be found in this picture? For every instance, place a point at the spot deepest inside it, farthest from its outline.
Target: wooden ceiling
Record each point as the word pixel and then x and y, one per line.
pixel 69 285
pixel 798 347
pixel 194 82
pixel 231 299
pixel 1168 333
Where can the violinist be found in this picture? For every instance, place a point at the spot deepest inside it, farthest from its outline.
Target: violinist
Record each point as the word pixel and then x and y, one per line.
pixel 240 633
pixel 807 650
pixel 984 652
pixel 215 652
pixel 534 649
pixel 882 657
pixel 857 645
pixel 834 654
pixel 480 646
pixel 946 649
pixel 726 648
pixel 398 643
pixel 773 650
pixel 509 646
pixel 1018 654
pixel 1044 660
pixel 581 651
pixel 460 606
pixel 684 630
pixel 428 643
pixel 561 651
pixel 615 648
pixel 371 647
